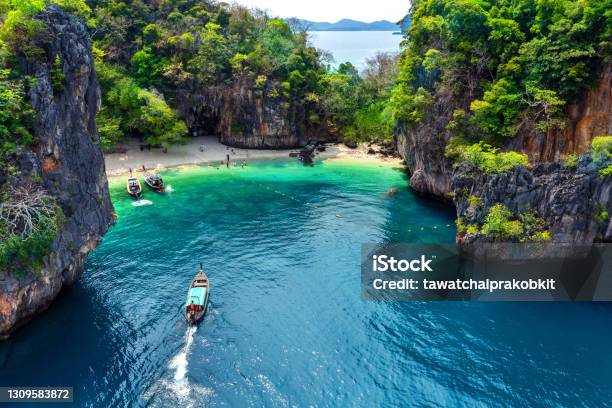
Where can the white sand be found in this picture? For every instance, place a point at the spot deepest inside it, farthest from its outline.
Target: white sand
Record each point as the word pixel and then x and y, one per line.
pixel 120 163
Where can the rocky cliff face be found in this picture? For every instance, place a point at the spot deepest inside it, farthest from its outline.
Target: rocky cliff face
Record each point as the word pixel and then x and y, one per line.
pixel 67 160
pixel 422 147
pixel 242 115
pixel 256 119
pixel 591 116
pixel 570 201
pixel 574 203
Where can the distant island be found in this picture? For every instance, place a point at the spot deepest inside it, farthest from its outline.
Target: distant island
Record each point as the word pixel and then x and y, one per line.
pixel 347 25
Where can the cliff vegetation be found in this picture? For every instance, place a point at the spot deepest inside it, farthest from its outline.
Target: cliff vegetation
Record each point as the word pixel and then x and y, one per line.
pixel 506 66
pixel 504 108
pixel 54 201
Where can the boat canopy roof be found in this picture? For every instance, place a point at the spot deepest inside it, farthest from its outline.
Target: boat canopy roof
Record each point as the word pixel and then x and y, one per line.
pixel 132 179
pixel 197 295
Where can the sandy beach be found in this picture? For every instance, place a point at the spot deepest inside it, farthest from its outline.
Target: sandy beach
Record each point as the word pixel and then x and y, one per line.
pixel 208 149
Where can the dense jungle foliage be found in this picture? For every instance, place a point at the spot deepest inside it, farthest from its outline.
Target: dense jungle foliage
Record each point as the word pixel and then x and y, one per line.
pixel 514 63
pixel 149 55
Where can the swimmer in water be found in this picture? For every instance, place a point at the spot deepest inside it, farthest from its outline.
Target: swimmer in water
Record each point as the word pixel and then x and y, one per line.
pixel 392 192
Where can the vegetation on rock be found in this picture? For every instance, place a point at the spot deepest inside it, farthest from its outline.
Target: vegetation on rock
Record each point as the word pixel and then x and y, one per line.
pixel 517 62
pixel 500 223
pixel 29 222
pixel 601 148
pixel 150 55
pixel 601 152
pixel 485 157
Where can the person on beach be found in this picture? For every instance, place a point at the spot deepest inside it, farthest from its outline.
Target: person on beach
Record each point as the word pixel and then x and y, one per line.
pixel 228 161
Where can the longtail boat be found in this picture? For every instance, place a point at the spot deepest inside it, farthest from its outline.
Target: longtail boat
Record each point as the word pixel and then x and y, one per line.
pixel 197 297
pixel 154 181
pixel 133 186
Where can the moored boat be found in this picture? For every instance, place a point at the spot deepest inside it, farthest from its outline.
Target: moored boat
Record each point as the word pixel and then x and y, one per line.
pixel 154 181
pixel 197 297
pixel 133 186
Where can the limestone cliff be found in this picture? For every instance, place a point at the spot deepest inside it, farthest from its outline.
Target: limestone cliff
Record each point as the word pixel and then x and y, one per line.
pixel 569 200
pixel 257 119
pixel 422 146
pixel 244 115
pixel 67 162
pixel 587 118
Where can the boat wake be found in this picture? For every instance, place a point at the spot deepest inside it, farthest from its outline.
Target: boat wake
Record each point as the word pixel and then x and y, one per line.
pixel 179 364
pixel 169 189
pixel 141 203
pixel 177 390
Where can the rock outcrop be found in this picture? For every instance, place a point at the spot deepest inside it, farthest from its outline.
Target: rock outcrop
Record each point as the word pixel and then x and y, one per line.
pixel 422 147
pixel 66 161
pixel 256 119
pixel 591 116
pixel 246 116
pixel 264 119
pixel 574 203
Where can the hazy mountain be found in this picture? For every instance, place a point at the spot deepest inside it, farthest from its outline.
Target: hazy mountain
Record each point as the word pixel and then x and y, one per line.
pixel 405 22
pixel 348 25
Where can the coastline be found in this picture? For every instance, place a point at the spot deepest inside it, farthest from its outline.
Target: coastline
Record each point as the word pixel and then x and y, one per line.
pixel 118 164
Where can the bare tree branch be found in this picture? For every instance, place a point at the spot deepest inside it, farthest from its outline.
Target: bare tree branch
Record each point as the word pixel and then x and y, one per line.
pixel 27 208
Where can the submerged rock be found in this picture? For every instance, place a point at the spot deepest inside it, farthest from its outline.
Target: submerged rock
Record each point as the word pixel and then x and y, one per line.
pixel 69 163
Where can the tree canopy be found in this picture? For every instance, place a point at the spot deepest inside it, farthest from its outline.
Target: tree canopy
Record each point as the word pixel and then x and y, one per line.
pixel 521 60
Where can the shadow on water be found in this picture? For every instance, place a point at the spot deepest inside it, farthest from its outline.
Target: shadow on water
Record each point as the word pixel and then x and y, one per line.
pixel 73 343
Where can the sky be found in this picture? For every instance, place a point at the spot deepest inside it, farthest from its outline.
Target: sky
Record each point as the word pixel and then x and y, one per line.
pixel 333 10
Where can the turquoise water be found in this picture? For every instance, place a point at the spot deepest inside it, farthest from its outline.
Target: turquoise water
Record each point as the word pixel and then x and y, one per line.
pixel 355 46
pixel 286 326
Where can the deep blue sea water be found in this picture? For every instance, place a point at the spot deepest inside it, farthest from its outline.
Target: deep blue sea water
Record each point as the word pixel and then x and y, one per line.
pixel 286 325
